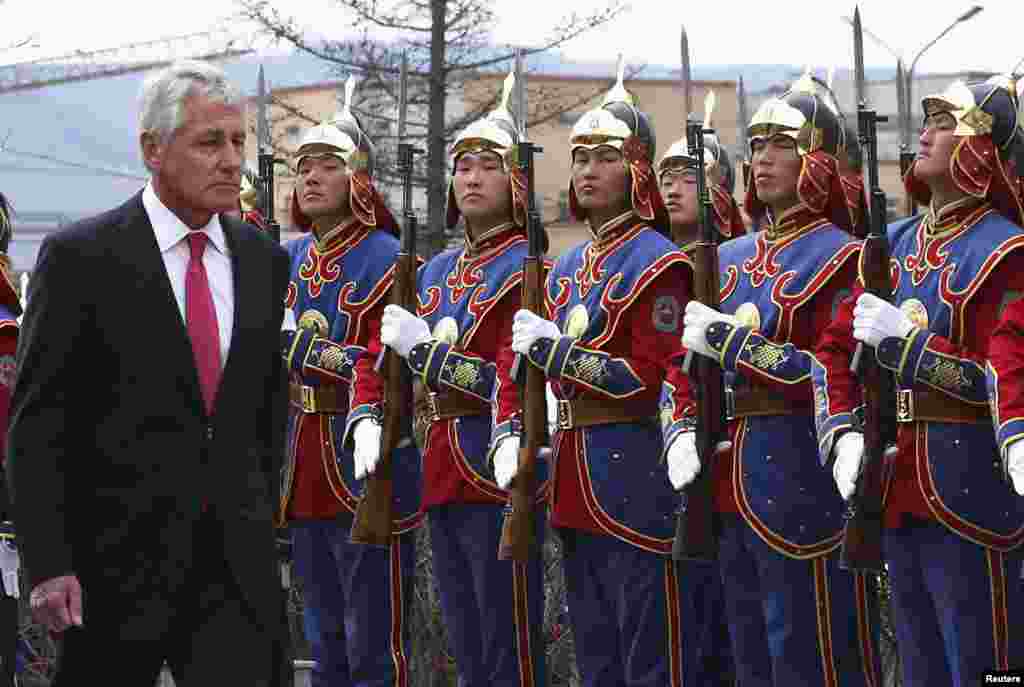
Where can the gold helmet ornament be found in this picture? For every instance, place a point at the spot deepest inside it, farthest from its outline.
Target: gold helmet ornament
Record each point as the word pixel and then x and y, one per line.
pixel 988 126
pixel 498 132
pixel 808 114
pixel 679 159
pixel 620 124
pixel 343 137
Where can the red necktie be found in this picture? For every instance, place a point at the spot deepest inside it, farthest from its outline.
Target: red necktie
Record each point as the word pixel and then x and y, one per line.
pixel 201 319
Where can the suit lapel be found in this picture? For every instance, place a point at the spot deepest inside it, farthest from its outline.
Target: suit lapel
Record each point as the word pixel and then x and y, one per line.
pixel 239 246
pixel 151 288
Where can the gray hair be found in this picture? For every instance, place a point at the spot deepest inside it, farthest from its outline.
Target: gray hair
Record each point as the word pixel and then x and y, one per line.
pixel 164 94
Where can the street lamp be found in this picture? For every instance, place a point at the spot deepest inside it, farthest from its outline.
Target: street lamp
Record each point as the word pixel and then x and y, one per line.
pixel 974 10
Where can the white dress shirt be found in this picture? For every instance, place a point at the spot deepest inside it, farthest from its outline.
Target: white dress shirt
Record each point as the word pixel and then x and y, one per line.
pixel 171 237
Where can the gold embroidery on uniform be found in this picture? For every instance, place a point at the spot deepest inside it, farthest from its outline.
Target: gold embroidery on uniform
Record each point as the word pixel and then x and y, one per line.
pixel 334 359
pixel 766 356
pixel 465 374
pixel 589 368
pixel 946 374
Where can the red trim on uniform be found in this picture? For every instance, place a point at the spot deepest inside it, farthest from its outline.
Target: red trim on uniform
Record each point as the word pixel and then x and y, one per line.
pixel 521 614
pixel 605 521
pixel 864 630
pixel 966 529
pixel 1000 624
pixel 673 623
pixel 824 605
pixel 481 484
pixel 777 542
pixel 397 615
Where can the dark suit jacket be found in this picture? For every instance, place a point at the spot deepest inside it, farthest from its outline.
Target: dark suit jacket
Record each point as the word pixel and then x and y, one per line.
pixel 111 452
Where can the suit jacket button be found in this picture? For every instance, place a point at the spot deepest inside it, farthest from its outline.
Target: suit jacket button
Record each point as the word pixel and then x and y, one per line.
pixel 209 432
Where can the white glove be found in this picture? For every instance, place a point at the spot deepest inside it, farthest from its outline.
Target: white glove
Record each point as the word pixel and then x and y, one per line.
pixel 288 323
pixel 552 406
pixel 849 452
pixel 366 452
pixel 527 328
pixel 875 319
pixel 1015 465
pixel 506 460
pixel 683 462
pixel 697 319
pixel 10 565
pixel 400 330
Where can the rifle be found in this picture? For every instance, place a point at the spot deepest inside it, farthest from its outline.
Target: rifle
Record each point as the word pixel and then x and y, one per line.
pixel 906 157
pixel 862 538
pixel 695 528
pixel 743 152
pixel 372 522
pixel 517 541
pixel 266 161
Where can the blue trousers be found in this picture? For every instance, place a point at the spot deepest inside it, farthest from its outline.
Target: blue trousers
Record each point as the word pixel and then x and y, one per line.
pixel 713 649
pixel 796 622
pixel 954 605
pixel 355 598
pixel 493 610
pixel 631 624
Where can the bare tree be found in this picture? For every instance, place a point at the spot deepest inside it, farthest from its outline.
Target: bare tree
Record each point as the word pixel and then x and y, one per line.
pixel 448 44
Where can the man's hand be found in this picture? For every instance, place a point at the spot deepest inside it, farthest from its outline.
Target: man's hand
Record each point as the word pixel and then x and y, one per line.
pixel 875 319
pixel 697 319
pixel 527 328
pixel 849 455
pixel 400 330
pixel 57 603
pixel 366 451
pixel 506 461
pixel 1015 465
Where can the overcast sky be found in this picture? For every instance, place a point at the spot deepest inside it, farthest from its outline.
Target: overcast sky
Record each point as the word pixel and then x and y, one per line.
pixel 720 31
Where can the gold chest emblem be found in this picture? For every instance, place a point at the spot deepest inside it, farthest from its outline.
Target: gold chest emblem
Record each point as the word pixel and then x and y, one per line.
pixel 577 321
pixel 915 310
pixel 748 315
pixel 447 330
pixel 315 320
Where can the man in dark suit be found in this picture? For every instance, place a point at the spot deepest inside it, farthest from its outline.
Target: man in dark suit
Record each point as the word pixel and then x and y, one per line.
pixel 148 414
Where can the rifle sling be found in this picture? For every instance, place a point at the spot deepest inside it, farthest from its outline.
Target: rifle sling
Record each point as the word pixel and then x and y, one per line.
pixel 587 412
pixel 932 406
pixel 330 400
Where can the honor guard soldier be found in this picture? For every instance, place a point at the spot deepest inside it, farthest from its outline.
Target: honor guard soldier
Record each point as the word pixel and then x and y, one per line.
pixel 853 182
pixel 10 310
pixel 677 179
pixel 795 618
pixel 355 595
pixel 615 306
pixel 458 348
pixel 953 522
pixel 249 201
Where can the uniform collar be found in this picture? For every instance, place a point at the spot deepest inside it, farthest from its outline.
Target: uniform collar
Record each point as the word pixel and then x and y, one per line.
pixel 613 227
pixel 792 220
pixel 331 236
pixel 169 228
pixel 489 238
pixel 950 216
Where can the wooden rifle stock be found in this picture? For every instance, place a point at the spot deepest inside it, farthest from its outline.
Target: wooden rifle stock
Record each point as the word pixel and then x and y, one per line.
pixel 695 536
pixel 517 540
pixel 862 538
pixel 372 523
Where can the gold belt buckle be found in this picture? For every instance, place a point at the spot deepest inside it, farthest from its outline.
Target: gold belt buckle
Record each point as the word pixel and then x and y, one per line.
pixel 308 399
pixel 904 405
pixel 564 414
pixel 435 414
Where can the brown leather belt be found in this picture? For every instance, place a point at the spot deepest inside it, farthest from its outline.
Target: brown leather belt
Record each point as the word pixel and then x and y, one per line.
pixel 932 406
pixel 331 400
pixel 433 406
pixel 757 401
pixel 587 412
